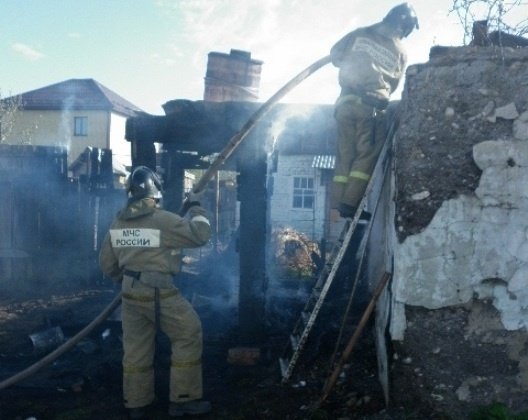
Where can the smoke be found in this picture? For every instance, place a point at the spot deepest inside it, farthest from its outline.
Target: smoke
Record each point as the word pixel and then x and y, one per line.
pixel 53 223
pixel 66 122
pixel 210 281
pixel 286 115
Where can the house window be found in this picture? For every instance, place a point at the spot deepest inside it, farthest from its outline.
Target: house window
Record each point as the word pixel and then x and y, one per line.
pixel 303 193
pixel 80 126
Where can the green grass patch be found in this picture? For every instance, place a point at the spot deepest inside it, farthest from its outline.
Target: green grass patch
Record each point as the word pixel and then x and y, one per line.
pixel 496 411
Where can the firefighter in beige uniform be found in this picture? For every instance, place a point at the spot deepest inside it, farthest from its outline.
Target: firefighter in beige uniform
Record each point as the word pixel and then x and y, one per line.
pixel 371 62
pixel 142 250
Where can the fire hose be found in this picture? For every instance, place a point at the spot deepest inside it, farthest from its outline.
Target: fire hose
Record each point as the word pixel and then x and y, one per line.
pixel 198 187
pixel 46 360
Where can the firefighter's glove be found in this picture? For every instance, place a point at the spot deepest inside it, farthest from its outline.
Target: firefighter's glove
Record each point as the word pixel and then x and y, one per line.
pixel 191 199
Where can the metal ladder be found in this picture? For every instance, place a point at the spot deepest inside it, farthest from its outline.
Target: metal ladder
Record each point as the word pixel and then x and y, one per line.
pixel 309 314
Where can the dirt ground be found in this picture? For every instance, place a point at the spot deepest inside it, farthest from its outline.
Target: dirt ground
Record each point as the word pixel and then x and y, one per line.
pixel 85 383
pixel 430 375
pixel 460 360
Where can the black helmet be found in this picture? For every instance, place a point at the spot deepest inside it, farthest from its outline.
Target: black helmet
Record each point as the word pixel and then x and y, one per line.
pixel 402 16
pixel 143 183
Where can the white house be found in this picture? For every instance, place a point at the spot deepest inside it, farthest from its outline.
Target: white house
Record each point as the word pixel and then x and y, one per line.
pixel 301 172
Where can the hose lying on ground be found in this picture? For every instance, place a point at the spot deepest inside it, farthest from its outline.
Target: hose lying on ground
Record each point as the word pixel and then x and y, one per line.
pixel 206 177
pixel 64 347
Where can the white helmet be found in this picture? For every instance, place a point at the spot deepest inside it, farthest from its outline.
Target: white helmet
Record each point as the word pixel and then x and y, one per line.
pixel 404 17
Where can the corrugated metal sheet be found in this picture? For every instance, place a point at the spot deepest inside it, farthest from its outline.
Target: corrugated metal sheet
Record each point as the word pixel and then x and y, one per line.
pixel 323 162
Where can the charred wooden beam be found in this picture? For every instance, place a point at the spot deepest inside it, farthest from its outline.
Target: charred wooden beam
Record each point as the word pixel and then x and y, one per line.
pixel 252 194
pixel 201 127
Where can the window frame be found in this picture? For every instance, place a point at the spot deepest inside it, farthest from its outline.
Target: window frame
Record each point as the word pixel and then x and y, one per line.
pixel 303 197
pixel 80 126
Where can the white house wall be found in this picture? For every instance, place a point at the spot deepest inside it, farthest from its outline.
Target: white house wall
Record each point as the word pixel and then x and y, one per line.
pixel 120 147
pixel 282 213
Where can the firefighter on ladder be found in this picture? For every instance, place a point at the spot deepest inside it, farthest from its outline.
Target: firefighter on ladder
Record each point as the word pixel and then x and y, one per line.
pixel 371 62
pixel 141 251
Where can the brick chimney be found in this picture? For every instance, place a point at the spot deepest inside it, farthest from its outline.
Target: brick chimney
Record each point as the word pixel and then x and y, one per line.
pixel 232 77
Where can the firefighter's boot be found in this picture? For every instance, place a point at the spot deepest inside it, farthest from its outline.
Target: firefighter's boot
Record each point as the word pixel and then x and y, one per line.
pixel 137 413
pixel 191 408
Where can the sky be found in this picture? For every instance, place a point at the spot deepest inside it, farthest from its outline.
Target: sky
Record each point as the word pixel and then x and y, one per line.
pixel 154 51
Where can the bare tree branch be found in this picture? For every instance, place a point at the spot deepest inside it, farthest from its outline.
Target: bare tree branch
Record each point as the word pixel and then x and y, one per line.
pixel 493 11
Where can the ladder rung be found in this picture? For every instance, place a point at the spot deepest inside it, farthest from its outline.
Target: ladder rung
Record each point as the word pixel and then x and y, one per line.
pixel 294 342
pixel 330 270
pixel 305 316
pixel 283 363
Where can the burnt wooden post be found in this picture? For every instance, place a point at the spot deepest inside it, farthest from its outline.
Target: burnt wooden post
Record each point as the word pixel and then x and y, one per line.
pixel 252 168
pixel 144 153
pixel 142 133
pixel 173 180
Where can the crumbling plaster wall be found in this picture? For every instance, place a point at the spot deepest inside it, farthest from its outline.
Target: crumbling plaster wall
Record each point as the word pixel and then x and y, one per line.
pixel 461 236
pixel 461 209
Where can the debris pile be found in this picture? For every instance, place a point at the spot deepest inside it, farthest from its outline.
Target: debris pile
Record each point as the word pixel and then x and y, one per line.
pixel 295 256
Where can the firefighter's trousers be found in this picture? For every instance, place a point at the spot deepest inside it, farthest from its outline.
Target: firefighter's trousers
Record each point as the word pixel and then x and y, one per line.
pixel 179 321
pixel 360 134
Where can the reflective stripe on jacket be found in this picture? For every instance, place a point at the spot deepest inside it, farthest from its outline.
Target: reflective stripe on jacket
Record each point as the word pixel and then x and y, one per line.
pixel 145 238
